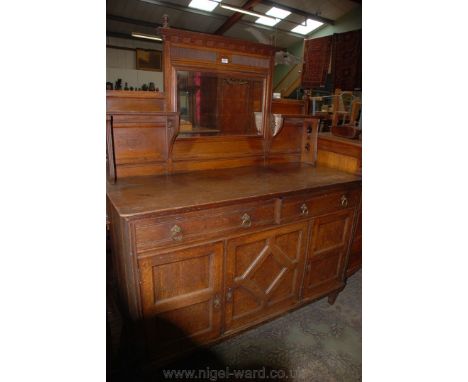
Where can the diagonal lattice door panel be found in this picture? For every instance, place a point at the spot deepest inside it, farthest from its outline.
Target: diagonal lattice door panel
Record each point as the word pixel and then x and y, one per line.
pixel 264 271
pixel 267 271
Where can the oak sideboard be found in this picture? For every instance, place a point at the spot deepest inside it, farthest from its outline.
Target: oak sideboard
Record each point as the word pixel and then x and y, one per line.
pixel 220 216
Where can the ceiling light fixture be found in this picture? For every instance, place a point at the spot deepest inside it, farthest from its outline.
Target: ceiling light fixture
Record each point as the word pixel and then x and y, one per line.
pixel 267 21
pixel 146 36
pixel 204 5
pixel 278 13
pixel 309 26
pixel 245 11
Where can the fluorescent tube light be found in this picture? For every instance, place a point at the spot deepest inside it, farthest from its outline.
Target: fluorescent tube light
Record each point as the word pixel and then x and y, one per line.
pixel 147 36
pixel 267 21
pixel 278 13
pixel 309 27
pixel 241 10
pixel 204 5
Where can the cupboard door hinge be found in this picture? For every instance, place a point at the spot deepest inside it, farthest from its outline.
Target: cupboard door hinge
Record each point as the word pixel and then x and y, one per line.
pixel 139 275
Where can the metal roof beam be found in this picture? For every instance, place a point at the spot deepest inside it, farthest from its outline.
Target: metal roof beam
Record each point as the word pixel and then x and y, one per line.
pixel 235 17
pixel 127 20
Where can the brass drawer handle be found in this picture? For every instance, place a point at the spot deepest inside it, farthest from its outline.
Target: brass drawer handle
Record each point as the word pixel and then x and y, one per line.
pixel 304 209
pixel 246 220
pixel 176 233
pixel 344 201
pixel 216 301
pixel 229 295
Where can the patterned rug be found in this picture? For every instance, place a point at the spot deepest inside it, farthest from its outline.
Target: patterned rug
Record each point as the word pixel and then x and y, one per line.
pixel 316 61
pixel 347 60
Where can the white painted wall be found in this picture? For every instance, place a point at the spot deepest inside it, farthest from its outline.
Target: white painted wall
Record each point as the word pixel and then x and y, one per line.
pixel 122 64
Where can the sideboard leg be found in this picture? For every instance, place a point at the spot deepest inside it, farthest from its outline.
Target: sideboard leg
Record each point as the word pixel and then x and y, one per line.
pixel 332 297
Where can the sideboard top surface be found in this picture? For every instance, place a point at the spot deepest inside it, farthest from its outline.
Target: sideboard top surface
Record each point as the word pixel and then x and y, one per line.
pixel 189 191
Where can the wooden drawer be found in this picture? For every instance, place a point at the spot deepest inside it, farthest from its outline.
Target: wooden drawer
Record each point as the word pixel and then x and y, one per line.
pixel 306 205
pixel 186 227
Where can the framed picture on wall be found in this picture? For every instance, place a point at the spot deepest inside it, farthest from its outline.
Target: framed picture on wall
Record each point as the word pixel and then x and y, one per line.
pixel 149 60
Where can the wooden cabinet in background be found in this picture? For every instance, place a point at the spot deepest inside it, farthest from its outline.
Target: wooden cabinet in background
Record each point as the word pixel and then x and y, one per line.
pixel 340 153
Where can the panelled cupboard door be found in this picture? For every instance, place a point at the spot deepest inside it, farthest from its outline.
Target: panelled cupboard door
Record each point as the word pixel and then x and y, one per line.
pixel 263 274
pixel 181 297
pixel 329 243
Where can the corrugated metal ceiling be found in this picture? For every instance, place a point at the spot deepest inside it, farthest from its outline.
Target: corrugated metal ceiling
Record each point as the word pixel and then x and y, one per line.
pixel 180 16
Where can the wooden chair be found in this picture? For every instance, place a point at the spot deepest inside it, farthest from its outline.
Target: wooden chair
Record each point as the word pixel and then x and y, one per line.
pixel 346 108
pixel 350 127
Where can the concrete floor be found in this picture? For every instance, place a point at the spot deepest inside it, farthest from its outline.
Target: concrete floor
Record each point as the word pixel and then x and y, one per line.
pixel 318 342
